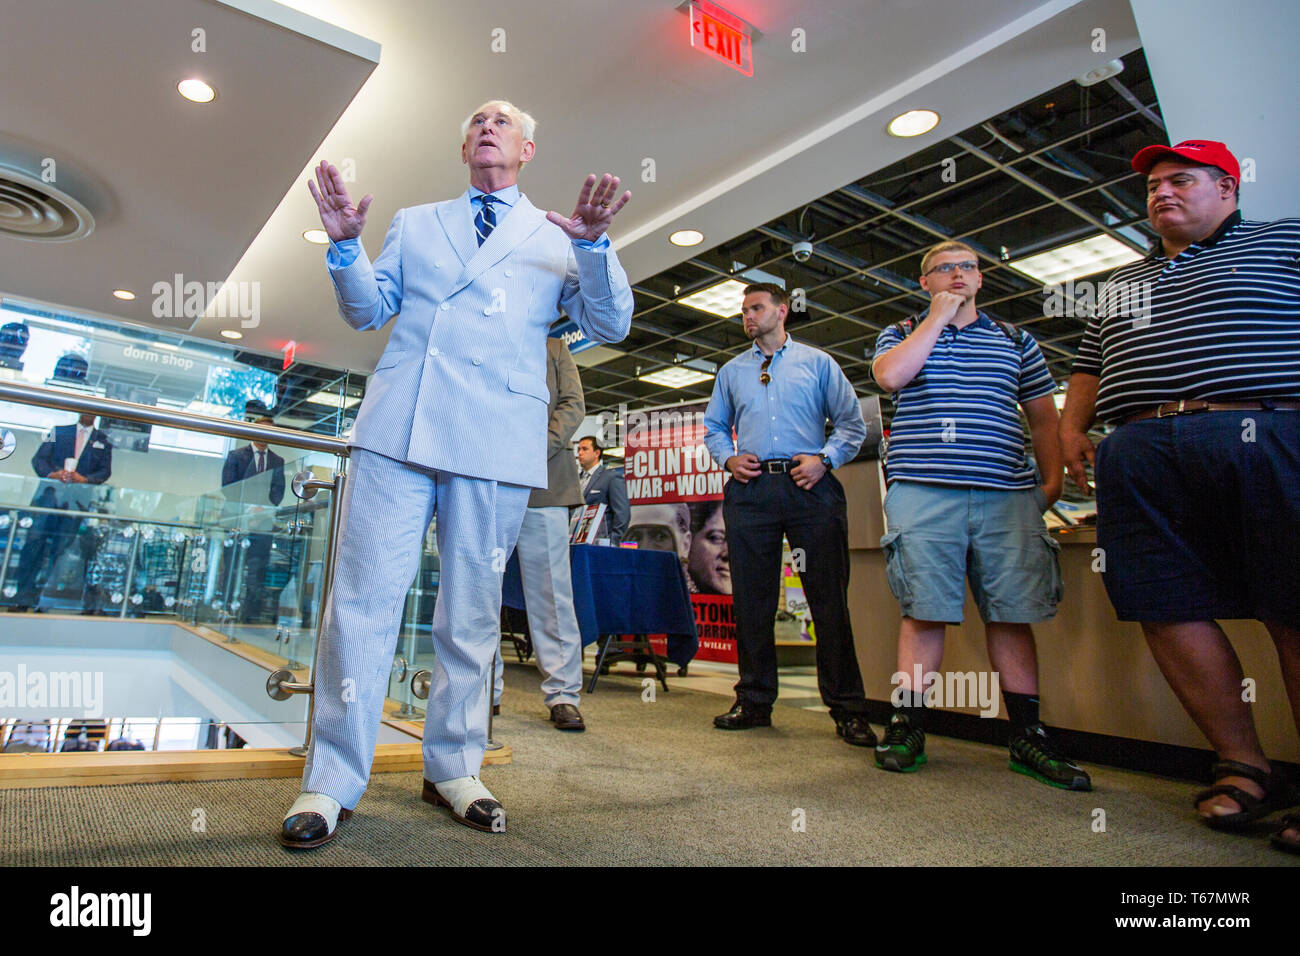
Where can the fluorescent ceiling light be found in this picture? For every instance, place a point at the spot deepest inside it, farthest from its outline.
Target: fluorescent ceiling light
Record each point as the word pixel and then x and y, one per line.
pixel 675 376
pixel 124 294
pixel 1083 258
pixel 232 334
pixel 324 397
pixel 318 236
pixel 196 91
pixel 913 123
pixel 722 299
pixel 686 237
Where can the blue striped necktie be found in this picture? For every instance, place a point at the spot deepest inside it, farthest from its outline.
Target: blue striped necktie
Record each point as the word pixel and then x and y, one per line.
pixel 486 220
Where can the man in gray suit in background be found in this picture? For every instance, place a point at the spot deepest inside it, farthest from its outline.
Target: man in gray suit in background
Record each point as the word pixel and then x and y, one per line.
pixel 602 484
pixel 474 284
pixel 543 548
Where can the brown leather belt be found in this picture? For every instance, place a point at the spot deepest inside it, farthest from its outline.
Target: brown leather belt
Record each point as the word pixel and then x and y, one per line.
pixel 1192 406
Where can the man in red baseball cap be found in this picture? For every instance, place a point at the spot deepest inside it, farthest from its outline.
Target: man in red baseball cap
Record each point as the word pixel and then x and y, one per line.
pixel 1201 152
pixel 1194 356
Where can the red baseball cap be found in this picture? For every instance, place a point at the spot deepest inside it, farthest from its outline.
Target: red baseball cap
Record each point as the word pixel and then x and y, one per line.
pixel 1203 151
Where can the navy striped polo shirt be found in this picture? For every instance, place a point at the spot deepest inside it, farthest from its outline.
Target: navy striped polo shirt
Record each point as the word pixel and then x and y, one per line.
pixel 1220 321
pixel 958 421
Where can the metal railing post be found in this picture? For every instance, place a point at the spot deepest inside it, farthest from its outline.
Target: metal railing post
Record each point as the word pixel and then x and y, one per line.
pixel 280 685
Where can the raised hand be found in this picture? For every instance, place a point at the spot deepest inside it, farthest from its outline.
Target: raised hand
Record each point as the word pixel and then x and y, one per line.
pixel 341 219
pixel 595 210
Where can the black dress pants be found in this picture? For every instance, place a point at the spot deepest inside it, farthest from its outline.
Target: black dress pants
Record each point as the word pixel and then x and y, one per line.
pixel 756 514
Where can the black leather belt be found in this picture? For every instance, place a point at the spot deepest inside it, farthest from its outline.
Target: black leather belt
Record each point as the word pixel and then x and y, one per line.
pixel 777 466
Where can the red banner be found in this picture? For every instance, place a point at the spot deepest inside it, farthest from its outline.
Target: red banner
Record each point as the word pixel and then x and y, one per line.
pixel 675 490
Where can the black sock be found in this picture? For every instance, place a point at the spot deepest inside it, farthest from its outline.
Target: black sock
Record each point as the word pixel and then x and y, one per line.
pixel 912 707
pixel 1022 710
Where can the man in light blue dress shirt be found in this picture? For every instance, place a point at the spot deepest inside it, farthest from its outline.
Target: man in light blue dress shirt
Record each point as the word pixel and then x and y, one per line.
pixel 474 284
pixel 778 396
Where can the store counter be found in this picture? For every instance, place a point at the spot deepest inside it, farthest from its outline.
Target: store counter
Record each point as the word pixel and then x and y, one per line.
pixel 1095 673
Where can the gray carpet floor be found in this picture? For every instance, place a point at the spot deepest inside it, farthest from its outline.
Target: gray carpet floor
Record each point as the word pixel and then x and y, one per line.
pixel 654 783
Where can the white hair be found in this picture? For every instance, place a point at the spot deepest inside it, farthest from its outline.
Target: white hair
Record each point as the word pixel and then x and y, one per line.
pixel 527 124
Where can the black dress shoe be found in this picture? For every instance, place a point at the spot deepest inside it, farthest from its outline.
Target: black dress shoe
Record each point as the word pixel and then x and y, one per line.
pixel 481 814
pixel 496 710
pixel 855 730
pixel 743 716
pixel 302 831
pixel 567 717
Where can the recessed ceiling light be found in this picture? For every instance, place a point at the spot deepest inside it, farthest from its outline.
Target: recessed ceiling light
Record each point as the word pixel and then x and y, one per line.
pixel 686 237
pixel 318 236
pixel 125 294
pixel 232 334
pixel 1077 259
pixel 196 91
pixel 722 299
pixel 913 123
pixel 675 376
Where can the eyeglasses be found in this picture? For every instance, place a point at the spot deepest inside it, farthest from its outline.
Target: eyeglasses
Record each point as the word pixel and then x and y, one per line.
pixel 967 266
pixel 763 377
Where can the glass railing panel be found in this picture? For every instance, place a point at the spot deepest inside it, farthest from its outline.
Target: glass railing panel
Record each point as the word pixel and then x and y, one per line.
pixel 146 592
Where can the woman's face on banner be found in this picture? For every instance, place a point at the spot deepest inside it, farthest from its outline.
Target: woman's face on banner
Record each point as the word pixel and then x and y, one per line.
pixel 709 564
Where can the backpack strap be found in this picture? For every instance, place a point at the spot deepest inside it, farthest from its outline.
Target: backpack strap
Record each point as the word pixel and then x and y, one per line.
pixel 905 326
pixel 1016 335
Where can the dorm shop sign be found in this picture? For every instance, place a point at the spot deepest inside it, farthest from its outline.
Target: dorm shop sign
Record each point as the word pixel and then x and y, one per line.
pixel 675 490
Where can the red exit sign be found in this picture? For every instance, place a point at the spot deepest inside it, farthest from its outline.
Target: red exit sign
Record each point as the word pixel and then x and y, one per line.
pixel 722 35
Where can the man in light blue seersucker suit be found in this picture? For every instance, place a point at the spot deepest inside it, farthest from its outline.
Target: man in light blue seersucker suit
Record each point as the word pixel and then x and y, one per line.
pixel 474 284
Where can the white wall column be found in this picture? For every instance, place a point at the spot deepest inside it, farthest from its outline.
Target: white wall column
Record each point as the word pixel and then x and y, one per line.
pixel 1230 72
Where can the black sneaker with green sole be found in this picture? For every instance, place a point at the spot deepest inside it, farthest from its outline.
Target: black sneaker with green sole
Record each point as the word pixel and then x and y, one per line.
pixel 903 749
pixel 1037 755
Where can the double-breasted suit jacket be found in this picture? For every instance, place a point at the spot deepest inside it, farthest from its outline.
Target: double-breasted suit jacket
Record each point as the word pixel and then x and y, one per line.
pixel 469 346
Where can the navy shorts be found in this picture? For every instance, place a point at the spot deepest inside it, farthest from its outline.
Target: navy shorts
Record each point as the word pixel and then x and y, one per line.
pixel 1198 517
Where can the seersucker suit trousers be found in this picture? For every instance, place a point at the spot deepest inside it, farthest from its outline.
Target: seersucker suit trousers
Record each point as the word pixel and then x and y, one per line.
pixel 386 509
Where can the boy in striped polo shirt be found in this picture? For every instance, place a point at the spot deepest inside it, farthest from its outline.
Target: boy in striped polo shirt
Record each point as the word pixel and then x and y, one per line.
pixel 963 502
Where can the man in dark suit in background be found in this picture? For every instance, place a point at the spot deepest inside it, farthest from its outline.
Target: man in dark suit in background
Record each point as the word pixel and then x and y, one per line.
pixel 603 485
pixel 247 464
pixel 70 458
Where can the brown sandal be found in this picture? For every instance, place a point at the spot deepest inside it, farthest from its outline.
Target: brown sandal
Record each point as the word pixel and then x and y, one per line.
pixel 1278 795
